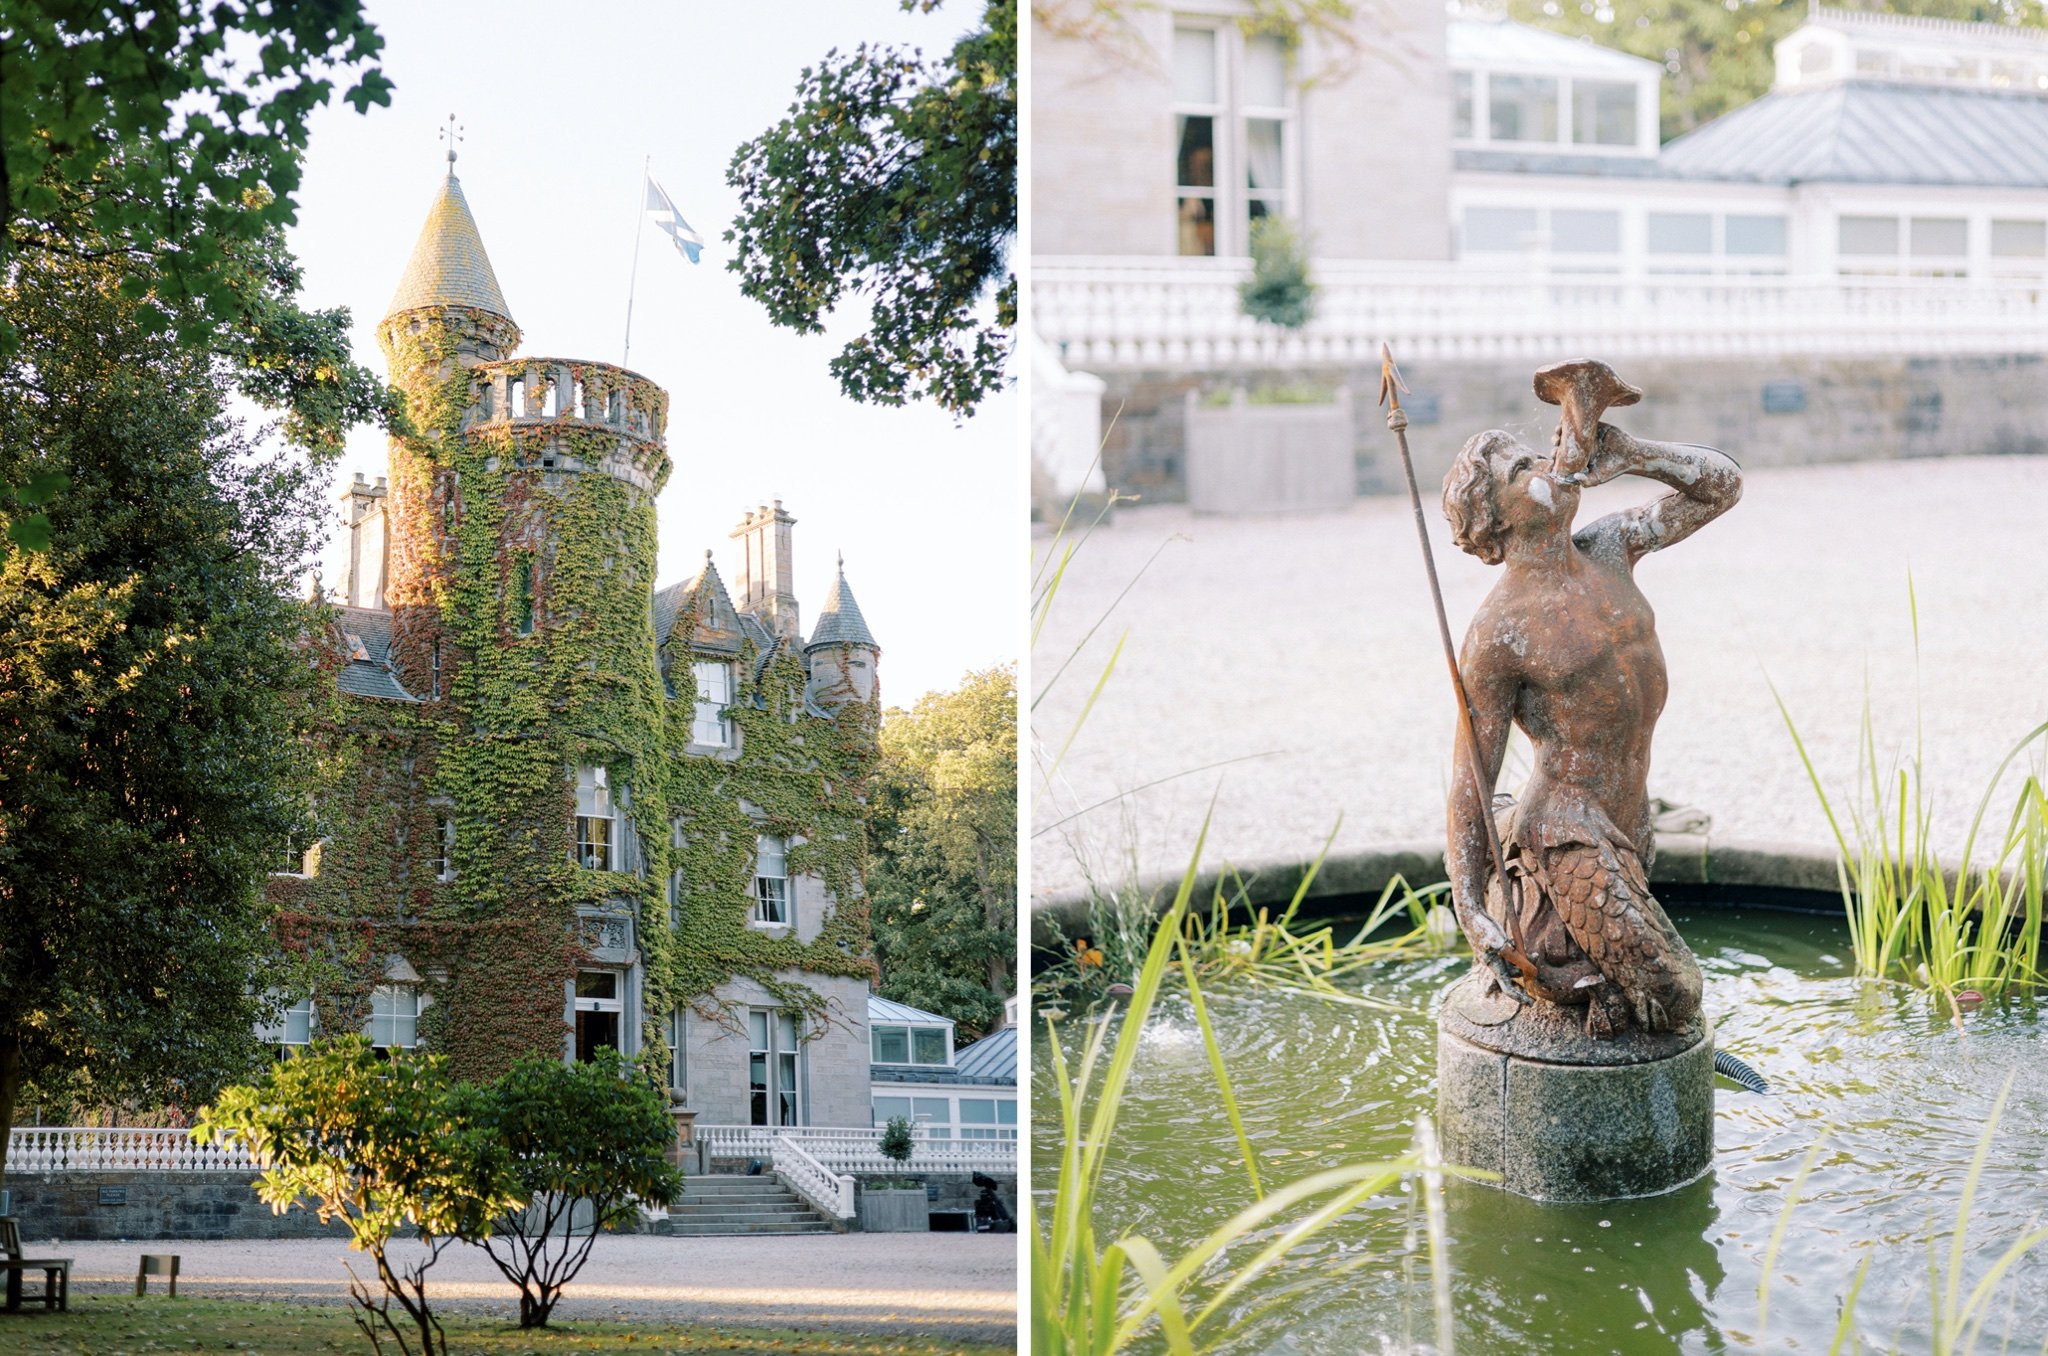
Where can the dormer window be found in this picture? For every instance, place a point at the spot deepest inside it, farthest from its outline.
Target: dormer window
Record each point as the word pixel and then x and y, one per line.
pixel 910 1044
pixel 593 818
pixel 709 726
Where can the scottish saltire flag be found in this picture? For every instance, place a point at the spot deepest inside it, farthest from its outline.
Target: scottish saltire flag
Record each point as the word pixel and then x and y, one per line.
pixel 681 232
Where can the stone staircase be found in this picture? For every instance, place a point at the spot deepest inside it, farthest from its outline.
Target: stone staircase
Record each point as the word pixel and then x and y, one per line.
pixel 724 1204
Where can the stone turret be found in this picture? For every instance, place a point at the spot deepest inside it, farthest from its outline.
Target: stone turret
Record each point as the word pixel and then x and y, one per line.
pixel 842 654
pixel 511 437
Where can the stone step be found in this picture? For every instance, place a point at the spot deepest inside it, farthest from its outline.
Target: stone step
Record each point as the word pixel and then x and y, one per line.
pixel 740 1199
pixel 743 1217
pixel 733 1185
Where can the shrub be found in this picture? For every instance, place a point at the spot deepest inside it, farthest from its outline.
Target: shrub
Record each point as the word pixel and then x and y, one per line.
pixel 896 1142
pixel 579 1135
pixel 378 1143
pixel 1279 291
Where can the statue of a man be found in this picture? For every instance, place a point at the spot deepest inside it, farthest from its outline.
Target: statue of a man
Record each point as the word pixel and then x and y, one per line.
pixel 1565 646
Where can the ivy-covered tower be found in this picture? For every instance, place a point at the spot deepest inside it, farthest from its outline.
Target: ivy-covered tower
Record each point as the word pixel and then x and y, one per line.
pixel 567 810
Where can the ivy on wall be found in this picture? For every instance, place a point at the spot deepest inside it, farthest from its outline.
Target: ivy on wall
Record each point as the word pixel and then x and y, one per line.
pixel 490 518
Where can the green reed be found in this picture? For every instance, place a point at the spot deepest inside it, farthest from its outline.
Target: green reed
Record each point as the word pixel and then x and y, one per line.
pixel 1955 1317
pixel 1950 928
pixel 1091 1297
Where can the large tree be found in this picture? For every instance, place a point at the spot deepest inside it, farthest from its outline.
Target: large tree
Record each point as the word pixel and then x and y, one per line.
pixel 152 681
pixel 894 180
pixel 167 134
pixel 1716 54
pixel 944 875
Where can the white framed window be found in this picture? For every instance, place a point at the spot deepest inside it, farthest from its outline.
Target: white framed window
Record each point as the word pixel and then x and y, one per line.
pixel 1603 112
pixel 988 1118
pixel 1749 233
pixel 600 1011
pixel 291 859
pixel 708 725
pixel 435 669
pixel 298 1023
pixel 444 847
pixel 678 1057
pixel 771 882
pixel 773 1086
pixel 931 1117
pixel 1521 108
pixel 890 1043
pixel 394 1017
pixel 594 818
pixel 1927 247
pixel 1235 153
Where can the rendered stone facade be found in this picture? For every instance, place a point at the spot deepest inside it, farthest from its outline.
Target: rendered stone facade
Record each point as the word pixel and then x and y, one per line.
pixel 1366 171
pixel 565 809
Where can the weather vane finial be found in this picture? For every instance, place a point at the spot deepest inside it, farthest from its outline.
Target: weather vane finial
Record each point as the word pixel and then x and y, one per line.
pixel 451 134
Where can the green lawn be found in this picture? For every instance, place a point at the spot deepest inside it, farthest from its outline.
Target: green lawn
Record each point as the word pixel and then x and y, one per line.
pixel 100 1325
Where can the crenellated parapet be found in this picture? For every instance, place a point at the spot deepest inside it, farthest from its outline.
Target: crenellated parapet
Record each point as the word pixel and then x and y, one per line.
pixel 567 416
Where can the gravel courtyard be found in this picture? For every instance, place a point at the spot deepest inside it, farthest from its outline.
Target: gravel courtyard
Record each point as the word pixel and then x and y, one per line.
pixel 1307 647
pixel 958 1286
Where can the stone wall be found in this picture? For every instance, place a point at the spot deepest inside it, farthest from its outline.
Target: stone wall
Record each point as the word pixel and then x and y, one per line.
pixel 137 1206
pixel 834 1066
pixel 948 1191
pixel 1372 127
pixel 1764 412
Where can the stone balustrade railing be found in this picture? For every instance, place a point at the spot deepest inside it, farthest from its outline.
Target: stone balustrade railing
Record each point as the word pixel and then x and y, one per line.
pixel 120 1149
pixel 829 1191
pixel 855 1149
pixel 1108 314
pixel 575 390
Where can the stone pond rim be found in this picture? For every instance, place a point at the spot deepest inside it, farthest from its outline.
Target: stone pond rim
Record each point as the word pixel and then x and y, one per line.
pixel 1796 876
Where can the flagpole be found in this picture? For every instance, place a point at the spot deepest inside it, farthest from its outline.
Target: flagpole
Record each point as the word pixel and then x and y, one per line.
pixel 633 283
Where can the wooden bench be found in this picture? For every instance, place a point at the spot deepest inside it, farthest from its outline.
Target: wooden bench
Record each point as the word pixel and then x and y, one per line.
pixel 157 1264
pixel 56 1292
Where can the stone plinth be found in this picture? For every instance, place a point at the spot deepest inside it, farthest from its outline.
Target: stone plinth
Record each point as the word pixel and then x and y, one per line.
pixel 1524 1092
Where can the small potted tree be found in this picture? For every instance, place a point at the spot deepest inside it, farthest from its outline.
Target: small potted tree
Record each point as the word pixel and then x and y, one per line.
pixel 1278 447
pixel 894 1205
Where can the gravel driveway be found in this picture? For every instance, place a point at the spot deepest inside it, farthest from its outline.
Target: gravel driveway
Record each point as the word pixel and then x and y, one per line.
pixel 960 1286
pixel 1307 647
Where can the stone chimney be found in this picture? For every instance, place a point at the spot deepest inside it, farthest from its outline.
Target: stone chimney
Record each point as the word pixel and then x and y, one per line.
pixel 767 586
pixel 369 542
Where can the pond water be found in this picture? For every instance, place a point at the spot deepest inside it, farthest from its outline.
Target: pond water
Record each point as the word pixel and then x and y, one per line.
pixel 1900 1095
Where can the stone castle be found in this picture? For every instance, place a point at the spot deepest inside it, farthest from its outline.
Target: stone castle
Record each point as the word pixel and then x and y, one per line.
pixel 562 809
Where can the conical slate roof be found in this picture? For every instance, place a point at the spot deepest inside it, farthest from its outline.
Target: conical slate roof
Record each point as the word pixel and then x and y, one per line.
pixel 448 265
pixel 841 623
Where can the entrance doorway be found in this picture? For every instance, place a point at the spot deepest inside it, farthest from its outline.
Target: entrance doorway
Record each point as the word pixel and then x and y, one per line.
pixel 600 1010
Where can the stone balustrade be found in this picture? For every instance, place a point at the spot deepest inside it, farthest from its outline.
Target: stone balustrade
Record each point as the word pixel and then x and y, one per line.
pixel 1133 314
pixel 553 405
pixel 53 1149
pixel 857 1149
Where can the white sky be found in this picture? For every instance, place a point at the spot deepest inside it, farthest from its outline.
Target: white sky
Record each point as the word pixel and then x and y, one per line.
pixel 560 106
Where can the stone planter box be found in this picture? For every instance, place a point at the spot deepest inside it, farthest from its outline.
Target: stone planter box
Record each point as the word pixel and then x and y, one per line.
pixel 1246 458
pixel 894 1210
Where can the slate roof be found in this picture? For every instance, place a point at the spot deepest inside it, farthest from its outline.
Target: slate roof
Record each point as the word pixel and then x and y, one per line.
pixel 991 1059
pixel 1873 132
pixel 841 623
pixel 1499 42
pixel 882 1009
pixel 371 675
pixel 448 265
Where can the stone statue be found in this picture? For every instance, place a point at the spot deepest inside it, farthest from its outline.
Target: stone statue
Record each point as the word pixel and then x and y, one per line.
pixel 1565 646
